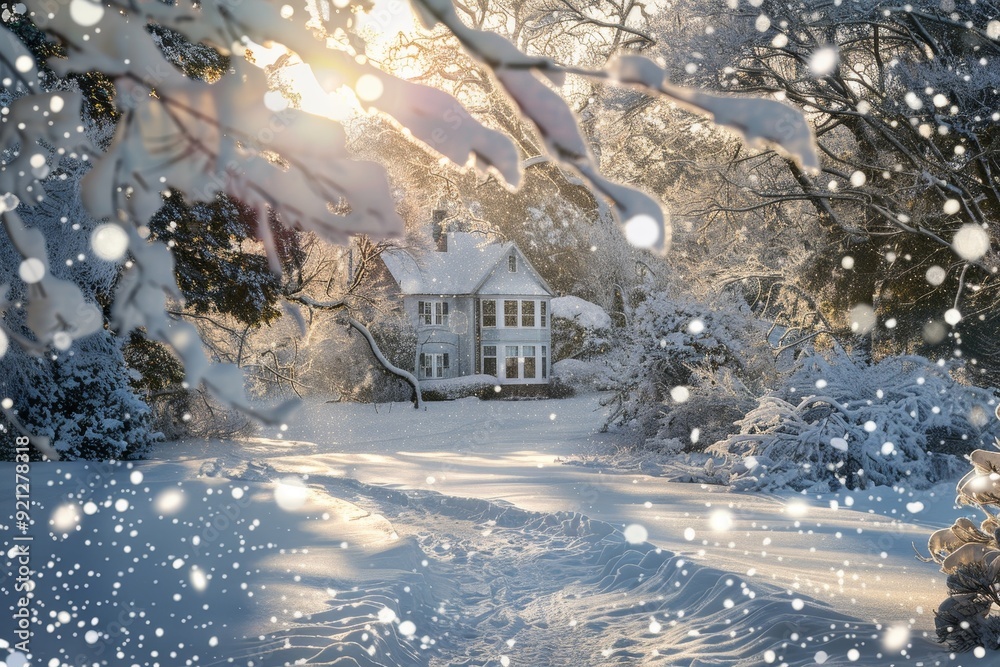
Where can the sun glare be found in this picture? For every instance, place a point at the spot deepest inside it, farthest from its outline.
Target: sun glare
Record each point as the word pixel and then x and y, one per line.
pixel 329 97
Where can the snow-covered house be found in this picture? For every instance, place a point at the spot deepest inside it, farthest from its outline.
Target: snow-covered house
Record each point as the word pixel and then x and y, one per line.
pixel 478 307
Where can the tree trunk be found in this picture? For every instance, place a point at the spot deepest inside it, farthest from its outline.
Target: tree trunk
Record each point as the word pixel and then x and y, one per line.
pixel 418 403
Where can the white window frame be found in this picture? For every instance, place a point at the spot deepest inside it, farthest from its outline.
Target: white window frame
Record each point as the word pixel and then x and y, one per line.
pixel 494 357
pixel 518 352
pixel 434 365
pixel 482 309
pixel 432 313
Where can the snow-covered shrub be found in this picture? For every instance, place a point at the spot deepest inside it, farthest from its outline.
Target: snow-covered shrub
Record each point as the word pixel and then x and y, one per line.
pixel 676 355
pixel 970 556
pixel 717 401
pixel 845 421
pixel 449 389
pixel 73 387
pixel 580 329
pixel 583 376
pixel 83 403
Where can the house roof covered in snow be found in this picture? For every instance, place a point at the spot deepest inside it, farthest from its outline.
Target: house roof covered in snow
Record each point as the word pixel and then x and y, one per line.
pixel 470 265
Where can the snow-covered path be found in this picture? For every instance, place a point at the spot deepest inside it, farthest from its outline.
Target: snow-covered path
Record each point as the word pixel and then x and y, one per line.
pixel 857 559
pixel 456 536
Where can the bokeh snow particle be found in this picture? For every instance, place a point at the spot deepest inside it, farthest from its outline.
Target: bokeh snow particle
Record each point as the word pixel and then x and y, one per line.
pixel 109 242
pixel 720 521
pixel 862 318
pixel 953 316
pixel 369 88
pixel 896 638
pixel 680 394
pixel 86 13
pixel 935 275
pixel 823 61
pixel 971 242
pixel 635 534
pixel 290 493
pixel 934 332
pixel 31 270
pixel 169 501
pixel 951 207
pixel 642 231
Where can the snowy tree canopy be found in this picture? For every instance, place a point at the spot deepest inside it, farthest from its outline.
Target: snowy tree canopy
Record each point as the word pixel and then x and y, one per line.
pixel 224 130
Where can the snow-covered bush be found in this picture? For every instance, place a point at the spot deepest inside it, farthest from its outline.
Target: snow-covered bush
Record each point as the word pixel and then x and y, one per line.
pixel 680 356
pixel 583 376
pixel 970 556
pixel 482 386
pixel 84 405
pixel 580 329
pixel 846 421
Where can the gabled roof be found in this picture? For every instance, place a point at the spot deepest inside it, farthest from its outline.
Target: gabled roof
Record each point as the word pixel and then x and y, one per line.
pixel 464 269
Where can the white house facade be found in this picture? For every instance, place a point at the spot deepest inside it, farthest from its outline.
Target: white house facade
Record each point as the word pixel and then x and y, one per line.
pixel 478 307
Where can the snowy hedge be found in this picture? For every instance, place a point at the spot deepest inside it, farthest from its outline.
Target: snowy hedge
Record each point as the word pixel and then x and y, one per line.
pixel 687 366
pixel 845 421
pixel 449 389
pixel 583 376
pixel 580 329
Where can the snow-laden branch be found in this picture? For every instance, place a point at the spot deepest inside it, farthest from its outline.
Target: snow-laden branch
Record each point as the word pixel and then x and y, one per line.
pixel 386 364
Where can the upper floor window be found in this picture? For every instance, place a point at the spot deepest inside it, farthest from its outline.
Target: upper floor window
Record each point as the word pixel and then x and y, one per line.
pixel 524 313
pixel 489 313
pixel 512 263
pixel 510 313
pixel 432 313
pixel 527 313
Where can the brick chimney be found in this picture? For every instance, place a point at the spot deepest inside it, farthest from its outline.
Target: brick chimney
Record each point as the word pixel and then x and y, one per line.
pixel 438 231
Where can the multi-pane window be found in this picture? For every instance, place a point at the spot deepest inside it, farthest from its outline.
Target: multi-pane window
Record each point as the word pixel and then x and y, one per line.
pixel 490 360
pixel 512 263
pixel 528 352
pixel 545 358
pixel 511 362
pixel 433 365
pixel 490 313
pixel 432 312
pixel 510 313
pixel 527 313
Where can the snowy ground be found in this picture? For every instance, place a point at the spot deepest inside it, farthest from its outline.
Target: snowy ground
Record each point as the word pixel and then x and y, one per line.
pixel 455 536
